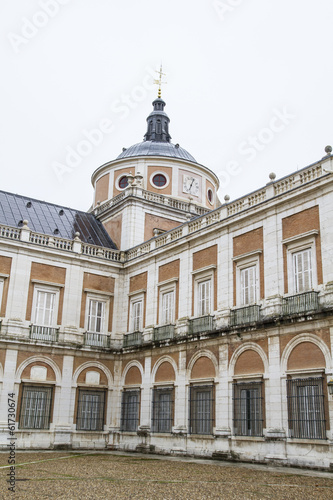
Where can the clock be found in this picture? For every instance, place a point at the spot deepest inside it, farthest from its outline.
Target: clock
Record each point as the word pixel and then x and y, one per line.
pixel 190 185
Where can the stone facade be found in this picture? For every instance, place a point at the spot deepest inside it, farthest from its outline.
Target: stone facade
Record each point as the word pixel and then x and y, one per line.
pixel 212 337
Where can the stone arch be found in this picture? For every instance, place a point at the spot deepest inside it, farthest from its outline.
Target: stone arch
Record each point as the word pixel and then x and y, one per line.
pixel 159 363
pixel 196 357
pixel 248 346
pixel 299 339
pixel 92 365
pixel 132 364
pixel 38 359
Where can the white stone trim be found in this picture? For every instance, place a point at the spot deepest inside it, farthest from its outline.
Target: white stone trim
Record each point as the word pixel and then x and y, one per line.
pixel 125 371
pixel 92 364
pixel 204 269
pixel 159 172
pixel 202 354
pixel 47 284
pixel 247 255
pixel 299 339
pixel 308 234
pixel 248 346
pixel 164 359
pixel 36 359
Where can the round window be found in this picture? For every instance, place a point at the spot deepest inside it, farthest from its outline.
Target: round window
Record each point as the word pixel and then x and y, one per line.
pixel 210 195
pixel 159 180
pixel 123 182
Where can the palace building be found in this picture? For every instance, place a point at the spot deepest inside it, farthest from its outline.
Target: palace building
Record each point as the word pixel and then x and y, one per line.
pixel 165 321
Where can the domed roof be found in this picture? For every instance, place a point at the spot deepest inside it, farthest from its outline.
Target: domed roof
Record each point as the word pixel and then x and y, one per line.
pixel 157 138
pixel 153 148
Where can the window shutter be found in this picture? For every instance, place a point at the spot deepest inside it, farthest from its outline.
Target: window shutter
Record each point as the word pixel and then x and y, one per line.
pixel 204 298
pixel 95 316
pixel 168 308
pixel 137 315
pixel 302 270
pixel 44 308
pixel 248 285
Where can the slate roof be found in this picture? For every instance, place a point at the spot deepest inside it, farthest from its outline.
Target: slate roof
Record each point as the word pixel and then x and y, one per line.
pixel 153 148
pixel 53 220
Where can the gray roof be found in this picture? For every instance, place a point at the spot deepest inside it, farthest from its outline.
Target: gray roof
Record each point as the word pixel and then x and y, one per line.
pixel 153 148
pixel 53 220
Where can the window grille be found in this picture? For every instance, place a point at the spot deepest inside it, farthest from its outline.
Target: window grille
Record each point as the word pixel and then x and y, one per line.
pixel 167 308
pixel 35 407
pixel 204 297
pixel 248 285
pixel 306 413
pixel 90 410
pixel 302 269
pixel 44 308
pixel 130 407
pixel 248 409
pixel 162 409
pixel 201 419
pixel 95 316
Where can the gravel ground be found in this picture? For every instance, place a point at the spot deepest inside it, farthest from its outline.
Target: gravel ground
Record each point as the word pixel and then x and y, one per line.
pixel 91 476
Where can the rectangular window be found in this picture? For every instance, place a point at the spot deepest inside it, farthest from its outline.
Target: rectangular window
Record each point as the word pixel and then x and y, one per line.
pixel 248 409
pixel 302 271
pixel 168 308
pixel 162 411
pixel 44 308
pixel 90 410
pixel 201 419
pixel 306 413
pixel 130 407
pixel 35 407
pixel 96 315
pixel 248 285
pixel 204 297
pixel 136 315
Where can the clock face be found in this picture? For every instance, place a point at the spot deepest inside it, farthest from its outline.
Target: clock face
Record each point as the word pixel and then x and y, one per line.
pixel 190 185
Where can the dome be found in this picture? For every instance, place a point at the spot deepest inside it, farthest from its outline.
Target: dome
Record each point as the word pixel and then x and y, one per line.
pixel 154 148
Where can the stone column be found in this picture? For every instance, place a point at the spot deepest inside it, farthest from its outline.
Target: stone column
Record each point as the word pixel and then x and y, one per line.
pixel 8 387
pixel 64 406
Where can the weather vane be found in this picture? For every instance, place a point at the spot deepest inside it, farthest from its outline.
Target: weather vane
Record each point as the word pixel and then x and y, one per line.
pixel 159 82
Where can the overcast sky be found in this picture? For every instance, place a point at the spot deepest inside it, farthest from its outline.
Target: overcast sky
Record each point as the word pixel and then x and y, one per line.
pixel 249 87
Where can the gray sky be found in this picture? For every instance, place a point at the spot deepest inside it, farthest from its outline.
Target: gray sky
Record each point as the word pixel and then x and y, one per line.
pixel 248 90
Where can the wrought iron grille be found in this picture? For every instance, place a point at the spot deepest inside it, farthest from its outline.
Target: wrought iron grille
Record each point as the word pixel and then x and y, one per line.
pixel 245 315
pixel 132 339
pixel 162 409
pixel 45 333
pixel 36 405
pixel 96 339
pixel 306 411
pixel 301 303
pixel 201 417
pixel 202 324
pixel 90 410
pixel 164 332
pixel 130 408
pixel 248 409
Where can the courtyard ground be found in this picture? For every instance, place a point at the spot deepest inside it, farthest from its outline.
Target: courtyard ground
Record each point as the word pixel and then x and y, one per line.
pixel 116 475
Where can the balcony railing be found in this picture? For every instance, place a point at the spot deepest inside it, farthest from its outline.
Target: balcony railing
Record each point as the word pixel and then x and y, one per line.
pixel 96 339
pixel 44 333
pixel 132 339
pixel 164 332
pixel 245 315
pixel 301 303
pixel 201 325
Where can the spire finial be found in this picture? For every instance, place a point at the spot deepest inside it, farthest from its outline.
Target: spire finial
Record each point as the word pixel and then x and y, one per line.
pixel 159 82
